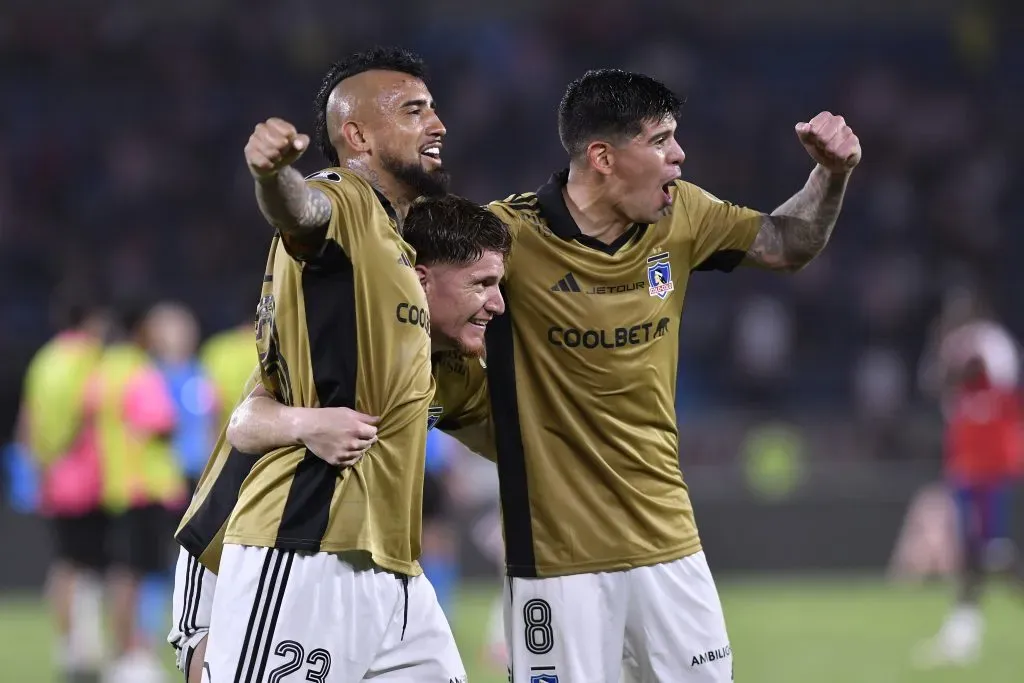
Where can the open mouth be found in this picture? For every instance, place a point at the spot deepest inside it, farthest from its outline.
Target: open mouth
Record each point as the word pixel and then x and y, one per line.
pixel 479 322
pixel 432 151
pixel 666 191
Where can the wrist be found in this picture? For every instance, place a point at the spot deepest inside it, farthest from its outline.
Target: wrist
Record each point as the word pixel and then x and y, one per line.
pixel 297 423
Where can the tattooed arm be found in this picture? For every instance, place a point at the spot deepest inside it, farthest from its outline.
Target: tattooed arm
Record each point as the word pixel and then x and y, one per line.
pixel 792 235
pixel 290 205
pixel 798 230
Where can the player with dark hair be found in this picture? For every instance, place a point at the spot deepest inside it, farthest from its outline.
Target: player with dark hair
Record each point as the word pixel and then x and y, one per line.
pixel 582 375
pixel 342 322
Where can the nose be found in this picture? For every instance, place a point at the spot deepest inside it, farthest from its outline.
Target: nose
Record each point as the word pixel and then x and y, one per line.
pixel 675 155
pixel 495 303
pixel 435 127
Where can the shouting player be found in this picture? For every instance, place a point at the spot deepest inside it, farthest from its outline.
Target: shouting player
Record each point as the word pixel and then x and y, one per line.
pixel 603 557
pixel 460 250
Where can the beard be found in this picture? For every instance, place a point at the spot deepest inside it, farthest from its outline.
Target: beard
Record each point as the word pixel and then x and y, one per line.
pixel 423 183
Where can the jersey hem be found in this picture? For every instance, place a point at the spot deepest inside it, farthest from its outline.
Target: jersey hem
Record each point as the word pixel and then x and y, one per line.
pixel 385 562
pixel 691 547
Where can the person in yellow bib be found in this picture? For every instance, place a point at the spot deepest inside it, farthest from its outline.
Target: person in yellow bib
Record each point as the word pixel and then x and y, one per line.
pixel 143 486
pixel 54 428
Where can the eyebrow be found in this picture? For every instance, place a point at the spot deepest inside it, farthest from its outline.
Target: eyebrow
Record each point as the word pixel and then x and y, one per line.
pixel 661 133
pixel 418 103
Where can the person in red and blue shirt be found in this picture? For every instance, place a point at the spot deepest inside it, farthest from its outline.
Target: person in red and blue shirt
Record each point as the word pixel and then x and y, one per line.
pixel 983 462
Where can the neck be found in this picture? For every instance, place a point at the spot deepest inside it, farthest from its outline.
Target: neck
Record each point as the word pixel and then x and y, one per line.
pixel 383 183
pixel 589 205
pixel 439 343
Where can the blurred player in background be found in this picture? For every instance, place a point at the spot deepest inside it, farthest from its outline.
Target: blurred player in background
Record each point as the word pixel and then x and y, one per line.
pixel 55 428
pixel 337 266
pixel 142 479
pixel 459 267
pixel 977 368
pixel 604 561
pixel 174 333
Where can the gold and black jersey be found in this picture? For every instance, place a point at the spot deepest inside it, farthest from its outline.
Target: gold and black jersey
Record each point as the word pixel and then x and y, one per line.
pixel 345 325
pixel 582 375
pixel 460 402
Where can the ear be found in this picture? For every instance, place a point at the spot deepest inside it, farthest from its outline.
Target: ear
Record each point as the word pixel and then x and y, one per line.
pixel 424 274
pixel 600 156
pixel 356 136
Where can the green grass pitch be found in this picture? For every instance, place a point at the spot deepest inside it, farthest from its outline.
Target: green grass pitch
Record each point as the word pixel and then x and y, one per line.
pixel 788 631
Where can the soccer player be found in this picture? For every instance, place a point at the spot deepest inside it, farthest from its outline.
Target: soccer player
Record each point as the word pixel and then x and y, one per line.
pixel 62 441
pixel 142 479
pixel 342 322
pixel 978 367
pixel 460 249
pixel 604 563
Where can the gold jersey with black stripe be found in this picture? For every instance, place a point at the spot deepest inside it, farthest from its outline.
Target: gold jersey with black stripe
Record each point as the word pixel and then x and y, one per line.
pixel 460 402
pixel 582 374
pixel 345 325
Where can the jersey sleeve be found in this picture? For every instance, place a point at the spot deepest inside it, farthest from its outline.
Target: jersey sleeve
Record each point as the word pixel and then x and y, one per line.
pixel 352 206
pixel 515 220
pixel 720 233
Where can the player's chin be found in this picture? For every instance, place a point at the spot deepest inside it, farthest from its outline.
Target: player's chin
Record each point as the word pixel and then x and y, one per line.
pixel 471 341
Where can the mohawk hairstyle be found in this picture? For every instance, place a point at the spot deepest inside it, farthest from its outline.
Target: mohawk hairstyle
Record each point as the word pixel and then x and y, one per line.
pixel 377 58
pixel 611 104
pixel 455 231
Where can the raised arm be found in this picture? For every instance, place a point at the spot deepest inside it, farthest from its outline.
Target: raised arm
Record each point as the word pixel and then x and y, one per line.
pixel 792 235
pixel 339 436
pixel 286 201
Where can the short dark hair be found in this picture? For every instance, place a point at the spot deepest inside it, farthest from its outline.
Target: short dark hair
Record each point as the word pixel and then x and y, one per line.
pixel 611 103
pixel 453 230
pixel 377 58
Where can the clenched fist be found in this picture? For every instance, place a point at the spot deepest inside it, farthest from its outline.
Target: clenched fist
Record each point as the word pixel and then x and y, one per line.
pixel 272 146
pixel 830 142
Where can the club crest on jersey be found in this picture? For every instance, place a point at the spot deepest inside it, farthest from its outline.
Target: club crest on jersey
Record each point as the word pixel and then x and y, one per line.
pixel 659 275
pixel 433 415
pixel 544 678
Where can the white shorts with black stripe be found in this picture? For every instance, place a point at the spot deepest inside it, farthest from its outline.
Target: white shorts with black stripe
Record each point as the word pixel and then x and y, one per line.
pixel 191 606
pixel 283 615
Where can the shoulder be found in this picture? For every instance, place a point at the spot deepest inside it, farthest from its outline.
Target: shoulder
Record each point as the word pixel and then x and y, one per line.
pixel 517 210
pixel 342 183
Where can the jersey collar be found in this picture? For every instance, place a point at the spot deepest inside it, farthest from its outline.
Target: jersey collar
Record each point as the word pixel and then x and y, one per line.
pixel 552 206
pixel 551 203
pixel 388 209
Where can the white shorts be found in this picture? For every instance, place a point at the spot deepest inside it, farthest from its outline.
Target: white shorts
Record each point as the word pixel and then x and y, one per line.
pixel 191 606
pixel 646 625
pixel 280 616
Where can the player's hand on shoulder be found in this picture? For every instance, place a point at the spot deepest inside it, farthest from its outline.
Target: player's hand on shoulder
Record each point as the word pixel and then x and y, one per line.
pixel 339 436
pixel 830 142
pixel 274 144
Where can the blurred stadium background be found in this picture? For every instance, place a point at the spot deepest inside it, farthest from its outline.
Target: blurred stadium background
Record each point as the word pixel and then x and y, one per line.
pixel 806 437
